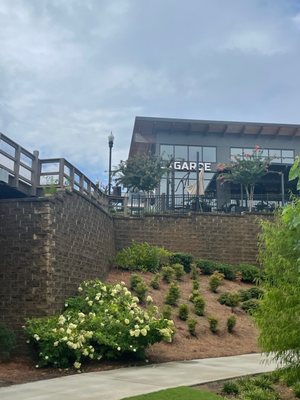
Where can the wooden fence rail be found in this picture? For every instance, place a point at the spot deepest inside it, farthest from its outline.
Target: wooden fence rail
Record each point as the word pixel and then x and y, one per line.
pixel 28 174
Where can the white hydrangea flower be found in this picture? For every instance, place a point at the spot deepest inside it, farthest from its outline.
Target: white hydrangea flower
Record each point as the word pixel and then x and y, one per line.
pixel 149 299
pixel 61 320
pixel 77 364
pixel 144 332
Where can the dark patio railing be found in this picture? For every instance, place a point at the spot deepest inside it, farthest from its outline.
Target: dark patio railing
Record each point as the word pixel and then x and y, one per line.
pixel 138 205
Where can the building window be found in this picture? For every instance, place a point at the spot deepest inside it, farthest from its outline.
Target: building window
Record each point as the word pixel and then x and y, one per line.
pixel 278 156
pixel 166 151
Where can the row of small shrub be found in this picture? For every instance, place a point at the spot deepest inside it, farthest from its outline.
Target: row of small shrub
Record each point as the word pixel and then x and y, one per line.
pixel 249 299
pixel 213 324
pixel 246 272
pixel 145 257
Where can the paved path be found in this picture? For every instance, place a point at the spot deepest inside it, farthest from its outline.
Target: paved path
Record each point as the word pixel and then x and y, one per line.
pixel 119 383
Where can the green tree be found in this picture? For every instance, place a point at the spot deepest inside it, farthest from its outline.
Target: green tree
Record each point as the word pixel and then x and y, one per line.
pixel 142 172
pixel 246 170
pixel 279 310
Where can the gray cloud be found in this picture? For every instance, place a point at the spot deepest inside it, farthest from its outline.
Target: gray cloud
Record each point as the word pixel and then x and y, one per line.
pixel 72 71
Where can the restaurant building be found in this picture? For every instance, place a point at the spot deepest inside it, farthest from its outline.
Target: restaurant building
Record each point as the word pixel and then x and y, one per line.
pixel 179 140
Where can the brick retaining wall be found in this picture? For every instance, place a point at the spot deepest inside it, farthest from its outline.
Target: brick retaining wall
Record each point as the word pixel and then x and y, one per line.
pixel 47 247
pixel 223 237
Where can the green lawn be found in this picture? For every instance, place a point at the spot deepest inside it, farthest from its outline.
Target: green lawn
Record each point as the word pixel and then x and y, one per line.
pixel 180 393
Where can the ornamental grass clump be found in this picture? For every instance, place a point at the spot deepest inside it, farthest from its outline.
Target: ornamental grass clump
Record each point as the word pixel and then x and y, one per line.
pixel 102 321
pixel 173 295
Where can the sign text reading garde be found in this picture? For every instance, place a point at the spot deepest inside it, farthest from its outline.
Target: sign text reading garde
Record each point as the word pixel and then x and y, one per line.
pixel 191 166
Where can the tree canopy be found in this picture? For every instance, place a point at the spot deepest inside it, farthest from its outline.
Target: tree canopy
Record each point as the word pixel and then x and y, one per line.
pixel 246 170
pixel 140 173
pixel 278 316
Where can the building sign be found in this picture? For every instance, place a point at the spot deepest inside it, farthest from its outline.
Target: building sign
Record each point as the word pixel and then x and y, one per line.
pixel 191 166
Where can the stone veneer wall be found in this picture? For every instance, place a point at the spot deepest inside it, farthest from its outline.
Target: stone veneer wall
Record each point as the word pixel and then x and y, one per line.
pixel 47 247
pixel 221 237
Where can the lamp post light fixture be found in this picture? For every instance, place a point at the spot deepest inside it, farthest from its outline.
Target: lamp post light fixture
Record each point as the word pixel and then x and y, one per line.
pixel 110 144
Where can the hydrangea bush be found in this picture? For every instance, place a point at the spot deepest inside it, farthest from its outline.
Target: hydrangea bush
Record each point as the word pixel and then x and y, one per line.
pixel 103 321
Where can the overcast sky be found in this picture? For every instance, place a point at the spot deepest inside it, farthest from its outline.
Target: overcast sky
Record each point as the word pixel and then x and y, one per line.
pixel 71 71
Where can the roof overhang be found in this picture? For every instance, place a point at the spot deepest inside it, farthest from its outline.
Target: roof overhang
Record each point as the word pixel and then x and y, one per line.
pixel 146 128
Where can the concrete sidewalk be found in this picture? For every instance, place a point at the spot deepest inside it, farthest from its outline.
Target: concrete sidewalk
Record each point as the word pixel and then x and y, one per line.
pixel 119 383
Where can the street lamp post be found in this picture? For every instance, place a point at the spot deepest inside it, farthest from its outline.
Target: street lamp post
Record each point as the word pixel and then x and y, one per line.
pixel 110 144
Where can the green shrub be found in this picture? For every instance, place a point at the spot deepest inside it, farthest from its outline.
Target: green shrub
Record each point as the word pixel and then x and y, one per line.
pixel 195 293
pixel 140 290
pixel 178 270
pixel 167 274
pixel 191 324
pixel 207 267
pixel 194 272
pixel 231 322
pixel 230 388
pixel 196 284
pixel 229 299
pixel 229 271
pixel 263 381
pixel 215 281
pixel 155 282
pixel 213 324
pixel 252 293
pixel 103 321
pixel 134 280
pixel 250 306
pixel 183 312
pixel 184 259
pixel 167 312
pixel 7 342
pixel 138 285
pixel 199 305
pixel 172 295
pixel 142 257
pixel 249 272
pixel 296 390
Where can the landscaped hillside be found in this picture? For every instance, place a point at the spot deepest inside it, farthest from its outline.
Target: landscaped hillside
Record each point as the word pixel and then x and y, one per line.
pixel 243 339
pixel 154 304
